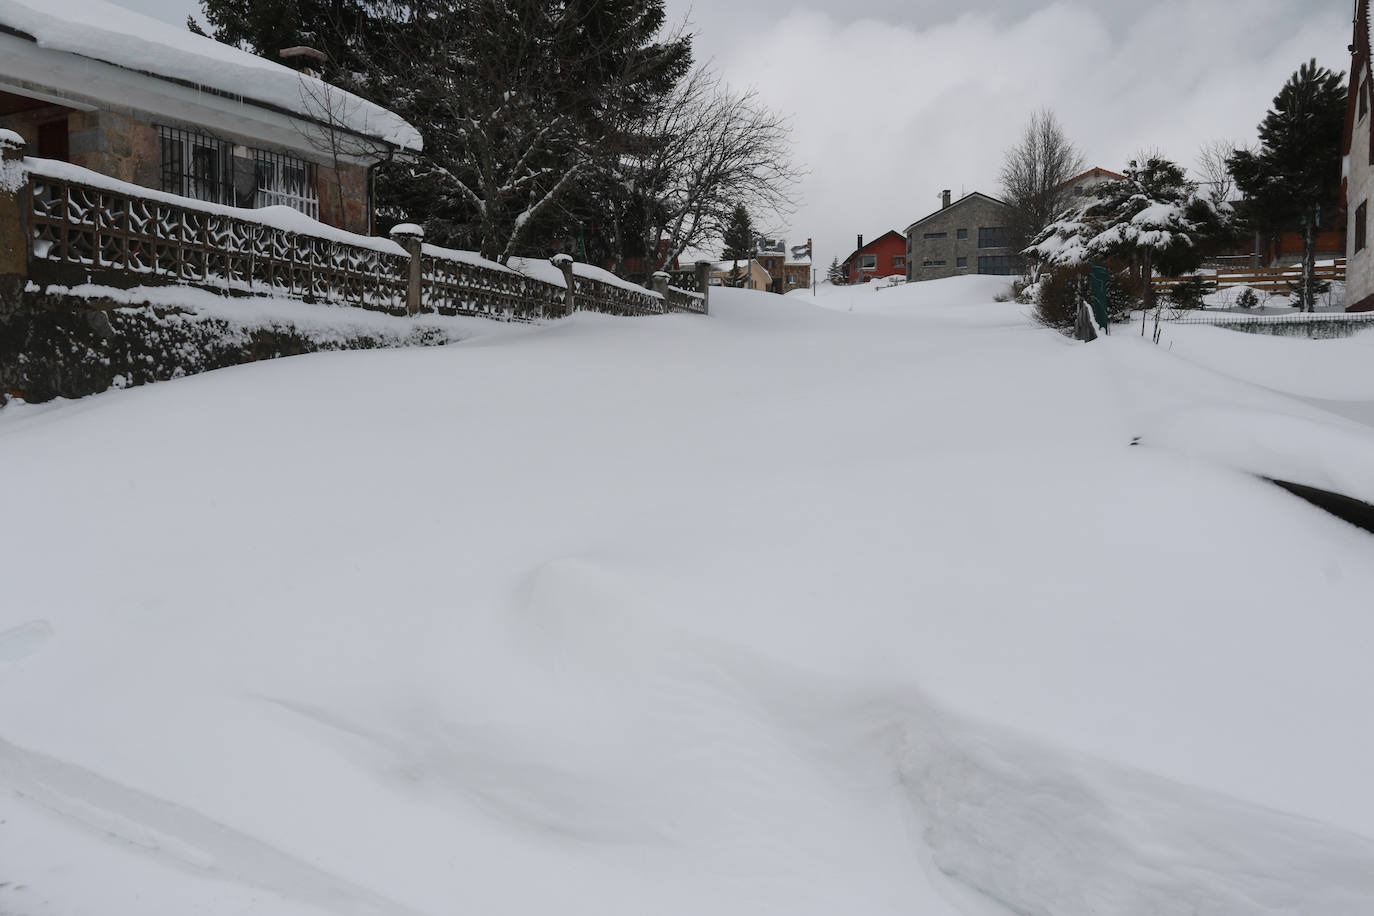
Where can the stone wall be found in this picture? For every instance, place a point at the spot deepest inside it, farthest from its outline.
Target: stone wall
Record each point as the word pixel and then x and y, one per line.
pixel 355 213
pixel 969 214
pixel 123 144
pixel 55 345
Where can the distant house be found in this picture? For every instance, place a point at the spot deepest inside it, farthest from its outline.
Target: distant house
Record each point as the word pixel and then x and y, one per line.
pixel 966 236
pixel 152 104
pixel 1080 184
pixel 885 256
pixel 1359 176
pixel 790 267
pixel 751 271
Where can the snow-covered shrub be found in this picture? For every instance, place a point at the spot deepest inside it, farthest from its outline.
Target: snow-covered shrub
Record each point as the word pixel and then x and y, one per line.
pixel 1188 293
pixel 1248 298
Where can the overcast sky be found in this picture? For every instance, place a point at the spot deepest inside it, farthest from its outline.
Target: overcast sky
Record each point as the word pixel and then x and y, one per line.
pixel 895 100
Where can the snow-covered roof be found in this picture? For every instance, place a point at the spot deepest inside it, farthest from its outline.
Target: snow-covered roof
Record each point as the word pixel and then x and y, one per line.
pixel 104 32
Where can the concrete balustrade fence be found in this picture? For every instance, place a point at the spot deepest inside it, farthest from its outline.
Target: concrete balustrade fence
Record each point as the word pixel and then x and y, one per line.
pixel 63 225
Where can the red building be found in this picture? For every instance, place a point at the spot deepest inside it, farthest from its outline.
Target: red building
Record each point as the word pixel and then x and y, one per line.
pixel 885 256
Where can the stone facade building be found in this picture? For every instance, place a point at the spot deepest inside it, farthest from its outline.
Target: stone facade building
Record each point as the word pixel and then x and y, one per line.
pixel 790 267
pixel 160 107
pixel 1359 169
pixel 967 236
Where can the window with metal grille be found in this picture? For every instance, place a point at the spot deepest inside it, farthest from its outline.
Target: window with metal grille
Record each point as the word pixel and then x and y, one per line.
pixel 195 164
pixel 1001 264
pixel 284 180
pixel 993 237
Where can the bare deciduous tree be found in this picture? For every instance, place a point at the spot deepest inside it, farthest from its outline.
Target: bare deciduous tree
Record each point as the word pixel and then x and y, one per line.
pixel 1033 176
pixel 1214 170
pixel 332 113
pixel 703 151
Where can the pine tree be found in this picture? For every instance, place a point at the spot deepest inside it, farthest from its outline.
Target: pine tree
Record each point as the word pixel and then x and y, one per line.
pixel 739 243
pixel 835 274
pixel 339 28
pixel 1295 175
pixel 1153 218
pixel 520 103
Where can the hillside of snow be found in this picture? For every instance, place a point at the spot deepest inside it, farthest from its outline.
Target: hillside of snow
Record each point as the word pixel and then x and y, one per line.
pixel 861 602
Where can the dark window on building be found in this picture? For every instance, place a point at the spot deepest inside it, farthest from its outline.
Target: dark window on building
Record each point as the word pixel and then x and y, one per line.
pixel 936 235
pixel 999 264
pixel 961 234
pixel 868 262
pixel 195 165
pixel 898 261
pixel 930 263
pixel 1361 220
pixel 961 262
pixel 993 237
pixel 53 141
pixel 1364 97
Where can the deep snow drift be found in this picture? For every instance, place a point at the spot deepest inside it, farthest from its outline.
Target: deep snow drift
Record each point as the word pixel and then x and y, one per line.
pixel 869 608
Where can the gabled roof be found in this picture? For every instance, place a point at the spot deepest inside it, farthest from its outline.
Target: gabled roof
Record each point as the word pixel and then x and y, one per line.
pixel 1096 172
pixel 962 200
pixel 857 251
pixel 95 30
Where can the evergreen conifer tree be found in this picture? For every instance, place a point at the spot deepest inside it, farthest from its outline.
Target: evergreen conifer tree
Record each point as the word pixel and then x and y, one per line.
pixel 835 274
pixel 739 243
pixel 1295 176
pixel 1153 218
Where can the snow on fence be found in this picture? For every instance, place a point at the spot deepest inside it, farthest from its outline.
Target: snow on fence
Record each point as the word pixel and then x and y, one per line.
pixel 84 227
pixel 1319 325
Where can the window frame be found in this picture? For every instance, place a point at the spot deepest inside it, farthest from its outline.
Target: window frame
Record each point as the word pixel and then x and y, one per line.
pixel 299 190
pixel 992 237
pixel 1361 226
pixel 195 149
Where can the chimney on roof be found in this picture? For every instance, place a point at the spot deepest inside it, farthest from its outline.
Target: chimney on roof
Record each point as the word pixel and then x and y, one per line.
pixel 309 61
pixel 944 199
pixel 860 242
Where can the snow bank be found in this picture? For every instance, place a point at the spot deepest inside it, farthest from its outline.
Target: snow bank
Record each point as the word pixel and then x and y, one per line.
pixel 119 36
pixel 799 610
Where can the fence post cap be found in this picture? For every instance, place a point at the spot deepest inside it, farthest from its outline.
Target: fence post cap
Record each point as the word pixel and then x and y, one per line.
pixel 663 273
pixel 11 145
pixel 406 231
pixel 561 258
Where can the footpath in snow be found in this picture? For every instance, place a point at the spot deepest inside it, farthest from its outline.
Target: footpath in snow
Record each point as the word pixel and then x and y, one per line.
pixel 857 603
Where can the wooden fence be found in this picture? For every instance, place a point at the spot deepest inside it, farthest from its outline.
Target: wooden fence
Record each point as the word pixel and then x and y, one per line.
pixel 1264 279
pixel 82 227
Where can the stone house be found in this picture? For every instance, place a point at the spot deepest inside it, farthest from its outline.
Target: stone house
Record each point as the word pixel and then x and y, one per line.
pixel 138 100
pixel 967 236
pixel 790 267
pixel 1358 181
pixel 885 256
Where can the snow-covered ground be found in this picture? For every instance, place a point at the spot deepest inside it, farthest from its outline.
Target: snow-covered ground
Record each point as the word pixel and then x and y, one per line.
pixel 861 602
